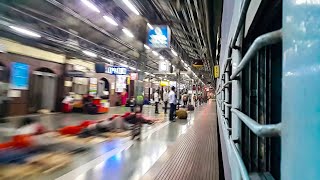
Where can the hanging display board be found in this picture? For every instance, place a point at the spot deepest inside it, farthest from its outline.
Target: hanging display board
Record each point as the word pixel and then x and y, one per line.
pixel 164 83
pixel 164 66
pixel 19 76
pixel 173 83
pixel 116 70
pixel 216 71
pixel 134 76
pixel 159 37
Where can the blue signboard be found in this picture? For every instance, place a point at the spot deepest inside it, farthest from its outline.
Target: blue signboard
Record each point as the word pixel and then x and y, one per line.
pixel 19 76
pixel 159 37
pixel 116 70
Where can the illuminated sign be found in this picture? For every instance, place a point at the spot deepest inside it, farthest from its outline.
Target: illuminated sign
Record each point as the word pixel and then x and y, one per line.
pixel 163 66
pixel 19 76
pixel 164 83
pixel 216 71
pixel 159 37
pixel 116 70
pixel 121 83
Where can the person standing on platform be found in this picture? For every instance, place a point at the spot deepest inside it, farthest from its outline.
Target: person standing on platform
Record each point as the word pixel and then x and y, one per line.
pixel 124 97
pixel 156 100
pixel 140 102
pixel 172 102
pixel 165 100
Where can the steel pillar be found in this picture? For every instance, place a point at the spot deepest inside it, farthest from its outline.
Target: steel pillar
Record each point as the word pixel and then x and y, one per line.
pixel 300 143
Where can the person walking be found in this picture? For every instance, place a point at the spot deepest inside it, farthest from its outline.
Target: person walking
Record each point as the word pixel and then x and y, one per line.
pixel 140 102
pixel 172 102
pixel 165 100
pixel 185 100
pixel 156 100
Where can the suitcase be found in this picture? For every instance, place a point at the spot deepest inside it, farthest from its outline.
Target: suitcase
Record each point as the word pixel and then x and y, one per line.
pixel 182 114
pixel 190 108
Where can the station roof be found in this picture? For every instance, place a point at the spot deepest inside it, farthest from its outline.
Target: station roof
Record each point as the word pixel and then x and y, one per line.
pixel 101 27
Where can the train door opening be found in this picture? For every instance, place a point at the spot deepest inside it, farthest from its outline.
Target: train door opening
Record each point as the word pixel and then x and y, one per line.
pixel 4 87
pixel 43 90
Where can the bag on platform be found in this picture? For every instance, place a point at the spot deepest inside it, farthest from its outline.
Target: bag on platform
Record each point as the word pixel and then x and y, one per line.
pixel 190 108
pixel 182 114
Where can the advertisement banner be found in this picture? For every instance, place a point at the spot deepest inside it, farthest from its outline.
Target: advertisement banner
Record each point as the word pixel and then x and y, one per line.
pixel 121 83
pixel 93 86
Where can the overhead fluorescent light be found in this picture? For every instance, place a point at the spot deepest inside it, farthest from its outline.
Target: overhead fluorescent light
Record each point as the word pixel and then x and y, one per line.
pixel 132 68
pixel 127 32
pixel 91 54
pixel 107 59
pixel 152 75
pixel 110 20
pixel 155 53
pixel 138 70
pixel 25 31
pixel 150 26
pixel 161 57
pixel 147 73
pixel 146 46
pixel 91 5
pixel 174 53
pixel 124 65
pixel 131 7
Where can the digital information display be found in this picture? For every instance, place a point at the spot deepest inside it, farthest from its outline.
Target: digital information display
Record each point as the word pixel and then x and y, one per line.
pixel 19 76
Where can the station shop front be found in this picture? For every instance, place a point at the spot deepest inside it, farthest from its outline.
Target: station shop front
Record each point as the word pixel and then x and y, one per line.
pixel 32 82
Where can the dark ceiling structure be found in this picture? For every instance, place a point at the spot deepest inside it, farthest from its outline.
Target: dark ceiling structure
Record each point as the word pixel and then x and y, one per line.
pixel 69 26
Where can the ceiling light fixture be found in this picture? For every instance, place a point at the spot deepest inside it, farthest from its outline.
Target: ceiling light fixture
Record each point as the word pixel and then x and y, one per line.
pixel 124 65
pixel 174 53
pixel 91 5
pixel 150 26
pixel 107 59
pixel 89 53
pixel 131 7
pixel 146 46
pixel 161 57
pixel 132 68
pixel 25 31
pixel 110 20
pixel 155 53
pixel 127 32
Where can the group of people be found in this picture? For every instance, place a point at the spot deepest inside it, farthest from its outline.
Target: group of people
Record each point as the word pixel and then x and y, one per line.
pixel 168 98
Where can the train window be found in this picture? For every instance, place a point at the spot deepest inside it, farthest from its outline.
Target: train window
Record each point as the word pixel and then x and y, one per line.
pixel 261 88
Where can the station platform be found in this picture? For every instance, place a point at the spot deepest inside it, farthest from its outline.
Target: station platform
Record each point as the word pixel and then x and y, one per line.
pixel 185 149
